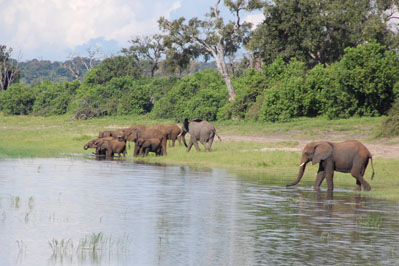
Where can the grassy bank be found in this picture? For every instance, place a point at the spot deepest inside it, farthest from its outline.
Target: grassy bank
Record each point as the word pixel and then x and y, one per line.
pixel 57 136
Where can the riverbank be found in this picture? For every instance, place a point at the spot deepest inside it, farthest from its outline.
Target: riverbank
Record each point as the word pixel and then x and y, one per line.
pixel 262 153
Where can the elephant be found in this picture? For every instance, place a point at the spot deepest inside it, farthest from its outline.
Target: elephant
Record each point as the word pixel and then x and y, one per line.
pixel 347 157
pixel 90 144
pixel 199 130
pixel 108 133
pixel 109 146
pixel 133 134
pixel 148 145
pixel 94 145
pixel 172 131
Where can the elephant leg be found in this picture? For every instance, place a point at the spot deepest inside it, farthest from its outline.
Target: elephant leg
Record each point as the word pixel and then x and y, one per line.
pixel 321 174
pixel 163 143
pixel 358 169
pixel 329 169
pixel 195 142
pixel 211 142
pixel 203 142
pixel 173 140
pixel 190 145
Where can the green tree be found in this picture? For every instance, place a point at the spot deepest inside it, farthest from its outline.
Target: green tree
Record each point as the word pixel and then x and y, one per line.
pixel 18 99
pixel 318 31
pixel 148 49
pixel 210 37
pixel 113 67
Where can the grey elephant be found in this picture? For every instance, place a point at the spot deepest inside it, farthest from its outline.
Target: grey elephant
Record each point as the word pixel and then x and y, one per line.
pixel 200 130
pixel 347 157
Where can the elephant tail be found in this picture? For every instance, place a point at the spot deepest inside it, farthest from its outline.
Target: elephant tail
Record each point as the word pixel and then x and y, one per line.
pixel 218 136
pixel 372 167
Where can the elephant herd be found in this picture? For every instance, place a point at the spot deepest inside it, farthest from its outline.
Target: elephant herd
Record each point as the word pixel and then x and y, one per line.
pixel 346 157
pixel 153 139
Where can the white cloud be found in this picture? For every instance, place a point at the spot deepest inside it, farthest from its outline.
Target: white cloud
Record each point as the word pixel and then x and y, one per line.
pixel 59 25
pixel 255 19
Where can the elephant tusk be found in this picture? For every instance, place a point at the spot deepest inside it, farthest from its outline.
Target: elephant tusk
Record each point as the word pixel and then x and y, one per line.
pixel 302 164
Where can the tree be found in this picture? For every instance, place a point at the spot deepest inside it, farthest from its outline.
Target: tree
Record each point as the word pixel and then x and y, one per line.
pixel 113 67
pixel 79 65
pixel 211 37
pixel 147 48
pixel 318 31
pixel 8 72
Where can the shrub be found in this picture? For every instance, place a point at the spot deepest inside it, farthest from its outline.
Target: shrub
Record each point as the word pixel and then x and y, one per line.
pixel 366 76
pixel 286 97
pixel 390 127
pixel 122 95
pixel 53 98
pixel 197 96
pixel 18 99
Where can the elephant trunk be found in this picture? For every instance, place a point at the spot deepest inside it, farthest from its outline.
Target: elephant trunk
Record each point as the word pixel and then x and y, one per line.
pixel 301 171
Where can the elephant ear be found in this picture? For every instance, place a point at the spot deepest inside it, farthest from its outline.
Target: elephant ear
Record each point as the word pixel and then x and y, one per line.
pixel 321 152
pixel 185 125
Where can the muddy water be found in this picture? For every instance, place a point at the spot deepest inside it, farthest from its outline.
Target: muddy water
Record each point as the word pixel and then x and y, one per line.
pixel 76 211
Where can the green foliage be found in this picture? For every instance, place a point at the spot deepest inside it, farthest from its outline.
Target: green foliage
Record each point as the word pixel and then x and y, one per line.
pixel 18 99
pixel 367 74
pixel 34 71
pixel 390 127
pixel 363 83
pixel 287 97
pixel 53 98
pixel 123 95
pixel 113 67
pixel 248 87
pixel 297 29
pixel 197 96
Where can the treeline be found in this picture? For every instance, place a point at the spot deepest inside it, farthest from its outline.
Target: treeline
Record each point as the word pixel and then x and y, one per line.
pixel 308 58
pixel 365 82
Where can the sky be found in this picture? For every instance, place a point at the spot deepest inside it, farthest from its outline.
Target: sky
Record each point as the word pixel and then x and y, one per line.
pixel 57 29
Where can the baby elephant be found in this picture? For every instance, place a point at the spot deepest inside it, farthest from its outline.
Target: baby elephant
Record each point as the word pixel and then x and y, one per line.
pixel 347 157
pixel 143 146
pixel 110 146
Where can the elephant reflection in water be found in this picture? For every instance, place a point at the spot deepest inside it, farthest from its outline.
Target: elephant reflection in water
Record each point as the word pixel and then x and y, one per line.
pixel 316 214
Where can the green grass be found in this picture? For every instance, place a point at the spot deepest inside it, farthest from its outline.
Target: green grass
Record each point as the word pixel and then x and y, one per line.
pixel 56 136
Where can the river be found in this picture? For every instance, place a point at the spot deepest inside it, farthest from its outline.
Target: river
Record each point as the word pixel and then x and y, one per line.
pixel 80 211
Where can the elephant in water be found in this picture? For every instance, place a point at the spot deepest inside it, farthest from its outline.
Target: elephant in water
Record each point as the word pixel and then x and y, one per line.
pixel 347 157
pixel 199 130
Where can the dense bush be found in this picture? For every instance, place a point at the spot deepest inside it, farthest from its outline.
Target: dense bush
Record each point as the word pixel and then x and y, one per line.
pixel 18 99
pixel 363 83
pixel 287 96
pixel 53 98
pixel 390 127
pixel 113 67
pixel 197 96
pixel 123 95
pixel 367 74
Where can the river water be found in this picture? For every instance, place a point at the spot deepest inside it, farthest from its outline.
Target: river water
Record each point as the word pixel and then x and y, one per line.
pixel 79 211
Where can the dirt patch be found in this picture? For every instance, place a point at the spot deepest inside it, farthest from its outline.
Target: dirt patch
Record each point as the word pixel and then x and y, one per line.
pixel 382 150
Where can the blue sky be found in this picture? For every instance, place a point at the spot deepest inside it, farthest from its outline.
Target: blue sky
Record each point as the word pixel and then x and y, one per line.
pixel 55 29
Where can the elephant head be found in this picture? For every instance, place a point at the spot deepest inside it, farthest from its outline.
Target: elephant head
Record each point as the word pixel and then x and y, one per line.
pixel 186 128
pixel 315 152
pixel 90 144
pixel 131 135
